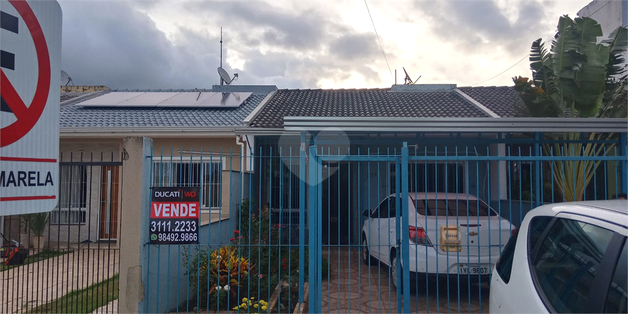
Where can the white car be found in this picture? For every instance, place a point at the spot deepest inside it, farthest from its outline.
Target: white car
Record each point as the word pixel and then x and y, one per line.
pixel 450 233
pixel 565 258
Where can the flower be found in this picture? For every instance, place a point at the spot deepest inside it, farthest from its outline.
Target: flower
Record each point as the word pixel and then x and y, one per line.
pixel 261 276
pixel 236 231
pixel 232 239
pixel 244 299
pixel 255 306
pixel 226 287
pixel 264 307
pixel 283 260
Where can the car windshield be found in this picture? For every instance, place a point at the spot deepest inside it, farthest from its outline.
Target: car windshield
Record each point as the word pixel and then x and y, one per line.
pixel 461 207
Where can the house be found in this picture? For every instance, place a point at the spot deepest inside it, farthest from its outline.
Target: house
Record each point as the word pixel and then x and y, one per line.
pixel 463 139
pixel 194 140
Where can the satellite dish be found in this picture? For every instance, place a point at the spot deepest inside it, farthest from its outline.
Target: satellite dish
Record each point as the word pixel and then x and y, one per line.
pixel 224 75
pixel 65 79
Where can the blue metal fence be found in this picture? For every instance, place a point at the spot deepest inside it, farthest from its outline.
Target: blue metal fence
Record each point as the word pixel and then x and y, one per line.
pixel 370 227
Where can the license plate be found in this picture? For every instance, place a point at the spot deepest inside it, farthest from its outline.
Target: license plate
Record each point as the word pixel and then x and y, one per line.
pixel 474 269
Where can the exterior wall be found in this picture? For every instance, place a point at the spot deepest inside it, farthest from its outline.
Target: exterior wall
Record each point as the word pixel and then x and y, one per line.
pixel 223 148
pixel 609 13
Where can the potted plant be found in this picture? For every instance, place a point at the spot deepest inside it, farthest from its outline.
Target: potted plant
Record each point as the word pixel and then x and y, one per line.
pixel 37 223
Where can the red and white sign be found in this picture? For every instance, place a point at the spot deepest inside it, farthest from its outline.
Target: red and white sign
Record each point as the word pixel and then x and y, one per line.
pixel 30 44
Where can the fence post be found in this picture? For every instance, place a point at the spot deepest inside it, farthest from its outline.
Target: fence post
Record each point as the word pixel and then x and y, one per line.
pixel 537 170
pixel 405 225
pixel 314 303
pixel 135 208
pixel 624 167
pixel 302 212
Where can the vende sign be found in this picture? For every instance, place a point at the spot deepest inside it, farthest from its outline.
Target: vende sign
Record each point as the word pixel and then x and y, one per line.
pixel 174 215
pixel 30 65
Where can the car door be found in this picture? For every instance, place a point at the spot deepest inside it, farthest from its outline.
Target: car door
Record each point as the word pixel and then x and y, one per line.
pixel 387 227
pixel 375 237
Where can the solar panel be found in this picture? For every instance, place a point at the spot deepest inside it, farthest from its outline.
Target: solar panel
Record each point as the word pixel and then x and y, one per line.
pixel 168 100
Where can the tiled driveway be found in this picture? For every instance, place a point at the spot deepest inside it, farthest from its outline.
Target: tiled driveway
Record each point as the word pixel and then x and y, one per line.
pixel 353 287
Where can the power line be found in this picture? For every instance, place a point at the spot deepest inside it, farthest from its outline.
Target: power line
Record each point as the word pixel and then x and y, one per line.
pixel 512 66
pixel 378 40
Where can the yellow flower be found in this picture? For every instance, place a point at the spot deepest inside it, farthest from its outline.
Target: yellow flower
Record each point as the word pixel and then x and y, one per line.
pixel 264 308
pixel 244 299
pixel 252 298
pixel 235 308
pixel 255 306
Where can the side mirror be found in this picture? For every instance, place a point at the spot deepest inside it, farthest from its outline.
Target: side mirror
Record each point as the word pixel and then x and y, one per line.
pixel 366 213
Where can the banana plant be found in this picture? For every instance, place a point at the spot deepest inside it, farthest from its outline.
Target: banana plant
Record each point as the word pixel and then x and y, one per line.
pixel 576 77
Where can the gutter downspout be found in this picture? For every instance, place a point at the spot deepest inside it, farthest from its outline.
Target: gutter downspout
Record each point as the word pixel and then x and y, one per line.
pixel 241 144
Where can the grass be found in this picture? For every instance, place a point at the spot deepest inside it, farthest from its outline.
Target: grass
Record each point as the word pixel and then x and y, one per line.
pixel 35 258
pixel 83 301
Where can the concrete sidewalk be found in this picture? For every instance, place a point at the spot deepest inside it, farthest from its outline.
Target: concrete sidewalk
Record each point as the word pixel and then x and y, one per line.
pixel 25 287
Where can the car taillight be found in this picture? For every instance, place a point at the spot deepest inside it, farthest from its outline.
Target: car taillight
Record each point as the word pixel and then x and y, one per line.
pixel 418 236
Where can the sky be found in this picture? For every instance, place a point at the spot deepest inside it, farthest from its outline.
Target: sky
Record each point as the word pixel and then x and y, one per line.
pixel 126 44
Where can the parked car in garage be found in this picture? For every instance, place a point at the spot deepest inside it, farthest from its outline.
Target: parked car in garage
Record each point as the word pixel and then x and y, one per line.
pixel 450 233
pixel 565 258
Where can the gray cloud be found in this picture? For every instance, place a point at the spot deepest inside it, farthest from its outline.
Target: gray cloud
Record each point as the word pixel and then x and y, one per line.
pixel 354 46
pixel 478 25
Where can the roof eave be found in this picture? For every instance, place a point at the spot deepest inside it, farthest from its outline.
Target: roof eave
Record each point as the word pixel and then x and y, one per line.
pixel 161 132
pixel 462 125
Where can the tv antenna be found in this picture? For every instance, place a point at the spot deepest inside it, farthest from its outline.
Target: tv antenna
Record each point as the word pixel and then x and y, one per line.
pixel 408 80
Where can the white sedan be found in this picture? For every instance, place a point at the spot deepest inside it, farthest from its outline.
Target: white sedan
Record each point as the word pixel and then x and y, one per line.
pixel 450 233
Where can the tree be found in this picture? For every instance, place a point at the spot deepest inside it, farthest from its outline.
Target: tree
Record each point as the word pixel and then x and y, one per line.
pixel 577 77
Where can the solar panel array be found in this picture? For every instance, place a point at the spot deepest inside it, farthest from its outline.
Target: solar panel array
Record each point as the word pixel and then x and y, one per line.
pixel 169 100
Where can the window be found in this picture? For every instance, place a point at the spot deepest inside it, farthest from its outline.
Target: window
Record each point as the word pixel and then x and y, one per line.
pixel 504 263
pixel 566 263
pixel 537 226
pixel 432 177
pixel 453 207
pixel 386 209
pixel 617 296
pixel 65 217
pixel 72 186
pixel 207 175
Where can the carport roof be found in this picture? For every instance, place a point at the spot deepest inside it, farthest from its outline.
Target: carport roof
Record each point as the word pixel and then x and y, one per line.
pixel 420 101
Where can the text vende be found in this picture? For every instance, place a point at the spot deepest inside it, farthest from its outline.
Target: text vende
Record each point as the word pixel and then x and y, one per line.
pixel 174 210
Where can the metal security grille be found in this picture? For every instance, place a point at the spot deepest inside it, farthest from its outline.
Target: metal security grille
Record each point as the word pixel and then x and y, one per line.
pixel 375 225
pixel 73 256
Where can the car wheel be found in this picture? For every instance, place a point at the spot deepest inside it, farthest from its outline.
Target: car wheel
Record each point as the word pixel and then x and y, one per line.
pixel 393 273
pixel 366 254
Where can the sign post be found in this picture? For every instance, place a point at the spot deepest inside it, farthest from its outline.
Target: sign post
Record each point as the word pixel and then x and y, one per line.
pixel 174 215
pixel 30 64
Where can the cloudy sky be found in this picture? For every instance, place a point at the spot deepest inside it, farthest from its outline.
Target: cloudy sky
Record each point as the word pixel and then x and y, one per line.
pixel 303 44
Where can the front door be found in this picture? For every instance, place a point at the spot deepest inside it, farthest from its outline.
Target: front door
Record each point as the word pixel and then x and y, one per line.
pixel 109 202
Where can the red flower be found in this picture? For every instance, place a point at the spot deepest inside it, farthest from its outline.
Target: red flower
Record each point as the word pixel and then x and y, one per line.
pixel 283 260
pixel 241 237
pixel 236 231
pixel 284 266
pixel 232 239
